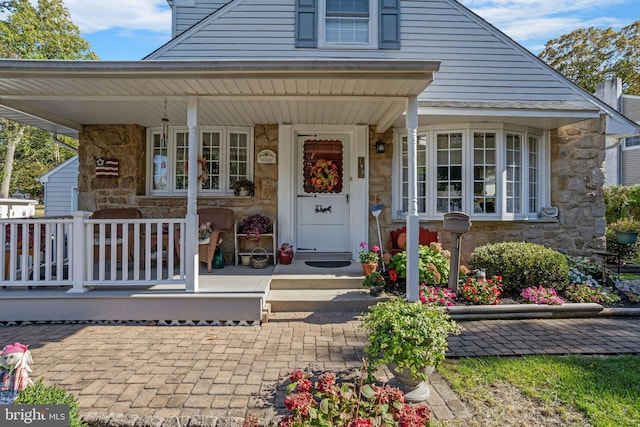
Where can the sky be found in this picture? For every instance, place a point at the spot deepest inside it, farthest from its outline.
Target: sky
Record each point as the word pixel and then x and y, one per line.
pixel 131 29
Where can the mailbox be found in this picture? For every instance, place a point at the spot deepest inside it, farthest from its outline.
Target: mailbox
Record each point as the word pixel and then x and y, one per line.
pixel 456 222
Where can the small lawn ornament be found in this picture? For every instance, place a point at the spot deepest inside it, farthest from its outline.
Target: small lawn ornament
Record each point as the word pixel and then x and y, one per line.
pixel 15 366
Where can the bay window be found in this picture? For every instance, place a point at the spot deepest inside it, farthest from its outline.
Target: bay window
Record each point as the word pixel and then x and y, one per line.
pixel 225 155
pixel 489 174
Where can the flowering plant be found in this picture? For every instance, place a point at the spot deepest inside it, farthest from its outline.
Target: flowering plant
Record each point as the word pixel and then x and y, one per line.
pixel 324 175
pixel 541 295
pixel 255 225
pixel 433 264
pixel 374 279
pixel 484 292
pixel 327 403
pixel 369 257
pixel 585 292
pixel 205 229
pixel 436 296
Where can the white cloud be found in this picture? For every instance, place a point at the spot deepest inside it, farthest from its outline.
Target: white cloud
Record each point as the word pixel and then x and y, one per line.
pixel 541 20
pixel 97 15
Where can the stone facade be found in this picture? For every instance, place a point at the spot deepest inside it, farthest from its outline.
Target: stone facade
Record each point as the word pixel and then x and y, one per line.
pixel 577 190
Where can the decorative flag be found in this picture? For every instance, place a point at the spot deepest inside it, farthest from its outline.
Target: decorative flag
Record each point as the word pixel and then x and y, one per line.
pixel 106 168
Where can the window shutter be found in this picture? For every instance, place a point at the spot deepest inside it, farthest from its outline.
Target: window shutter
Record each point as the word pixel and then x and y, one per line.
pixel 389 24
pixel 306 23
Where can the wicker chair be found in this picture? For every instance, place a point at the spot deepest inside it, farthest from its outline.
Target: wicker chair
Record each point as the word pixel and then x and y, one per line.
pixel 221 220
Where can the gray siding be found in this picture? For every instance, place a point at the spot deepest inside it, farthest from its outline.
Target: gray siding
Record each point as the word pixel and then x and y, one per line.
pixel 58 188
pixel 187 16
pixel 478 63
pixel 630 169
pixel 631 107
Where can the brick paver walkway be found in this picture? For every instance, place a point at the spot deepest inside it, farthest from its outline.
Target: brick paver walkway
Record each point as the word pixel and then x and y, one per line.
pixel 232 371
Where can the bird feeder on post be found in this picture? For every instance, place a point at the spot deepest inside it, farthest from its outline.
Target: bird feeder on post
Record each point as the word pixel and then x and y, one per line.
pixel 456 223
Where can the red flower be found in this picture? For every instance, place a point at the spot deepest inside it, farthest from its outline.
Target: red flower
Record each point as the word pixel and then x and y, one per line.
pixel 296 376
pixel 304 385
pixel 361 422
pixel 393 276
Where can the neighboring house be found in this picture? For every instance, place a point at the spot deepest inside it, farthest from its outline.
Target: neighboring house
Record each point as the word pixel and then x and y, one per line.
pixel 61 188
pixel 623 154
pixel 297 94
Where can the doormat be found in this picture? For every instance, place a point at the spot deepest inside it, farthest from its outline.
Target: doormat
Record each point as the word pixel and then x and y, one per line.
pixel 328 264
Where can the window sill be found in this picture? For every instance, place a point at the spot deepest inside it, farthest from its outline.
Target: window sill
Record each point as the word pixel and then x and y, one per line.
pixel 402 219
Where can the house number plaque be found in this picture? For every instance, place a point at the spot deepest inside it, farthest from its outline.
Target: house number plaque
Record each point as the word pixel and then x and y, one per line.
pixel 267 156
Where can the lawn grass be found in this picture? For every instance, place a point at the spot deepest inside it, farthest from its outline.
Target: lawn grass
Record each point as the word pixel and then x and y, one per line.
pixel 605 389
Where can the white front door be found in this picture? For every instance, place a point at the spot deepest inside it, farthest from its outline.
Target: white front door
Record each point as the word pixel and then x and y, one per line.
pixel 322 198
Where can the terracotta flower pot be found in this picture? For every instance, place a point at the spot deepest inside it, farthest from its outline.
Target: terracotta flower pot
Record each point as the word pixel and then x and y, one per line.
pixel 368 268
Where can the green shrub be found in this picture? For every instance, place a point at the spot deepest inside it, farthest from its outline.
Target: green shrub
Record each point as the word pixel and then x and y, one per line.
pixel 620 250
pixel 522 265
pixel 615 195
pixel 433 264
pixel 39 394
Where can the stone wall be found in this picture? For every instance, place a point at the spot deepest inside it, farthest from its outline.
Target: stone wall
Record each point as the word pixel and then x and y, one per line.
pixel 127 144
pixel 577 189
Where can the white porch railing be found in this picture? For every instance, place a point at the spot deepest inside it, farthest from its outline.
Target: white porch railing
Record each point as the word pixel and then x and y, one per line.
pixel 85 252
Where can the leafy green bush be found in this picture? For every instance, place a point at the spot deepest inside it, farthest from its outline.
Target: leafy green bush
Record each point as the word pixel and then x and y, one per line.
pixel 40 394
pixel 433 264
pixel 615 195
pixel 522 265
pixel 620 250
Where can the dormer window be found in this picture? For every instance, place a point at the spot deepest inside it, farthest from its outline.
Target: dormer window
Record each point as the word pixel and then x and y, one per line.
pixel 347 22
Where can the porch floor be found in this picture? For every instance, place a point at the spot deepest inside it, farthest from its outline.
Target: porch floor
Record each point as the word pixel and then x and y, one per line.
pixel 231 294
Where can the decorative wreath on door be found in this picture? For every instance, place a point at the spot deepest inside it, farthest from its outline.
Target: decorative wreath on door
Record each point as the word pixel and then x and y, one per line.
pixel 324 175
pixel 203 172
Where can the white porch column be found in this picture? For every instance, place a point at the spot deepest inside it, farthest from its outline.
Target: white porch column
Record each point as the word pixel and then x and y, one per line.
pixel 190 238
pixel 413 222
pixel 79 245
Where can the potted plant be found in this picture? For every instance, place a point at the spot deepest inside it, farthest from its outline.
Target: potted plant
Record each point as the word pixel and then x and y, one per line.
pixel 375 282
pixel 369 259
pixel 411 338
pixel 242 187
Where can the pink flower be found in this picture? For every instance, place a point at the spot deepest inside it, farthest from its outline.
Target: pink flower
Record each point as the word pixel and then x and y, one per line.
pixel 375 248
pixel 296 376
pixel 361 422
pixel 363 245
pixel 326 382
pixel 304 385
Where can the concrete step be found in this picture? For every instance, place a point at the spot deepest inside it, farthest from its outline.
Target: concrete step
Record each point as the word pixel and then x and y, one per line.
pixel 290 300
pixel 300 276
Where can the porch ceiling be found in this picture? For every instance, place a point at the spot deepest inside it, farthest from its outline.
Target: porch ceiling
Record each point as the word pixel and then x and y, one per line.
pixel 61 96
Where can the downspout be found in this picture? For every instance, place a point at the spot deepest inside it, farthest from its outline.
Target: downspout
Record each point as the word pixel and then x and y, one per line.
pixel 413 220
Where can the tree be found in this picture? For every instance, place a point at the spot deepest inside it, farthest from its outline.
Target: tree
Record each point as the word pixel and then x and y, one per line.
pixel 27 32
pixel 584 56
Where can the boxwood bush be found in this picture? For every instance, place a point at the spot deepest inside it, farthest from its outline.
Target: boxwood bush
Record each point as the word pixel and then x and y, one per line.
pixel 40 394
pixel 522 265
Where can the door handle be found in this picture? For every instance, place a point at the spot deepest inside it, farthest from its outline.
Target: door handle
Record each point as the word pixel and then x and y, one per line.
pixel 305 195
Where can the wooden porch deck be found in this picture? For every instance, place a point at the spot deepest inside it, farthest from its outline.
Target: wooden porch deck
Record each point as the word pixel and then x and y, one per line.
pixel 229 296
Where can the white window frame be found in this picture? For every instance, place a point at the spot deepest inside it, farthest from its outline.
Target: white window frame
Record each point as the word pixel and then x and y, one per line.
pixel 468 130
pixel 225 180
pixel 373 29
pixel 635 138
